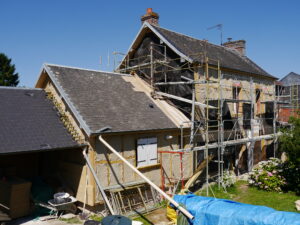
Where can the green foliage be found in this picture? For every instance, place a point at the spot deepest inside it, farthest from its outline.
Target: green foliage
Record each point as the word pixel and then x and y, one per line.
pixel 8 76
pixel 241 192
pixel 162 204
pixel 96 217
pixel 289 143
pixel 292 175
pixel 74 220
pixel 267 175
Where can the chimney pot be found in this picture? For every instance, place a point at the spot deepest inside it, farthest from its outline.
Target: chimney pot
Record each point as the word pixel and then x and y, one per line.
pixel 150 17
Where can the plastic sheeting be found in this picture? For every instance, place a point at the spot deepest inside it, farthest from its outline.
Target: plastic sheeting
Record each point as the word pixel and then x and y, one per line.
pixel 212 211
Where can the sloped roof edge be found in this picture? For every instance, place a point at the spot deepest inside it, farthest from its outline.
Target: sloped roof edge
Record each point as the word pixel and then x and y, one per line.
pixel 146 24
pixel 72 106
pixel 63 94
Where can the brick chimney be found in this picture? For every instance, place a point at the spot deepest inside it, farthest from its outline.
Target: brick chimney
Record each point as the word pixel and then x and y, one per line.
pixel 239 46
pixel 150 17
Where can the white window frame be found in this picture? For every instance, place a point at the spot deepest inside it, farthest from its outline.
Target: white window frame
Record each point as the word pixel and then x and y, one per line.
pixel 146 154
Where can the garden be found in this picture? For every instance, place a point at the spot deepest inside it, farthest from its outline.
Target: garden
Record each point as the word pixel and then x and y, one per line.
pixel 274 183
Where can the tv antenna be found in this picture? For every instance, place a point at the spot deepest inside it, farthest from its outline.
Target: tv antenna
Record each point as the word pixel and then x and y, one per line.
pixel 220 28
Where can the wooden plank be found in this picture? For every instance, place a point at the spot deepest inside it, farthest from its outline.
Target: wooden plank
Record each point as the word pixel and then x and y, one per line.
pixel 184 100
pixel 198 172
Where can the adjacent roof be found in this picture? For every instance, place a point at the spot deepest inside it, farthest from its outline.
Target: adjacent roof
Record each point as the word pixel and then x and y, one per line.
pixel 188 47
pixel 102 99
pixel 29 122
pixel 290 79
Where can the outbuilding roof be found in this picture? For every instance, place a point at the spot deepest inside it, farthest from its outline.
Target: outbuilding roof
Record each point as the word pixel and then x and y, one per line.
pixel 29 122
pixel 102 99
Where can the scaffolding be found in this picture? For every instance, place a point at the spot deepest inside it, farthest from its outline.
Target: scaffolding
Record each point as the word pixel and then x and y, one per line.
pixel 288 99
pixel 249 103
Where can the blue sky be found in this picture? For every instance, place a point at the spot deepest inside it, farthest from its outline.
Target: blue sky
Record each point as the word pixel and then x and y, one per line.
pixel 77 33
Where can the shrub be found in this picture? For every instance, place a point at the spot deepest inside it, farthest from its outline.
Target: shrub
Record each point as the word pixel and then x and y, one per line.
pixel 229 179
pixel 267 175
pixel 289 142
pixel 291 173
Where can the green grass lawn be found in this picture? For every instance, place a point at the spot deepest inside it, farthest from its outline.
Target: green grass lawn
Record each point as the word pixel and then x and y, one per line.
pixel 241 192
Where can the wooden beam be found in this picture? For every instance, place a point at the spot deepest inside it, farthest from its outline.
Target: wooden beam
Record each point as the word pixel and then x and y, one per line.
pixel 184 100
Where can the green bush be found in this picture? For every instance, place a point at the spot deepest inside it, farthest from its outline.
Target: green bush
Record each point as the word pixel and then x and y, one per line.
pixel 268 175
pixel 289 142
pixel 292 175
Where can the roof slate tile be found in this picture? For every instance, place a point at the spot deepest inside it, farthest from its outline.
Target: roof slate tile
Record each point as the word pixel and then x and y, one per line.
pixel 28 121
pixel 107 99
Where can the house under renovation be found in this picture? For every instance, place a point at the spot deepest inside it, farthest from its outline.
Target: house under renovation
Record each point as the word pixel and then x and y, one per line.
pixel 119 107
pixel 230 101
pixel 178 109
pixel 175 107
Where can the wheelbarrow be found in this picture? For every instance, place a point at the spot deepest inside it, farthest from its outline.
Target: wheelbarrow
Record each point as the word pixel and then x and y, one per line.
pixel 57 209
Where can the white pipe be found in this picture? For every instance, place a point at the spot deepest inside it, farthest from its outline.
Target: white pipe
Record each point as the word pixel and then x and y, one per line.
pixel 183 210
pixel 98 183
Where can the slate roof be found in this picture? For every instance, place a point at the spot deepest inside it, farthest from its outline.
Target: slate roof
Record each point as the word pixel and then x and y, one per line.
pixel 100 99
pixel 29 122
pixel 228 58
pixel 290 79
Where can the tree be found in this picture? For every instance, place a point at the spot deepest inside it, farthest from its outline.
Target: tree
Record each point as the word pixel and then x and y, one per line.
pixel 8 76
pixel 289 142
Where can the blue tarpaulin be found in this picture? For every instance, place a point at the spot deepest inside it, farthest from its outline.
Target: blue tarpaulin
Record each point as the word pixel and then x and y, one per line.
pixel 213 211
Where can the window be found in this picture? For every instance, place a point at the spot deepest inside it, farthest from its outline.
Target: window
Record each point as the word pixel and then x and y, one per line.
pixel 257 100
pixel 257 94
pixel 146 152
pixel 235 96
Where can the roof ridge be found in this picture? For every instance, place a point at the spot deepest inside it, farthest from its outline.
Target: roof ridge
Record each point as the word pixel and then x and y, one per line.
pixel 205 41
pixel 229 50
pixel 21 88
pixel 293 73
pixel 91 70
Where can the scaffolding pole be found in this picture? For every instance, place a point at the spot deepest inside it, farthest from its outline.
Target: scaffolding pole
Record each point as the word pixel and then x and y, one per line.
pixel 216 89
pixel 274 121
pixel 206 126
pixel 250 148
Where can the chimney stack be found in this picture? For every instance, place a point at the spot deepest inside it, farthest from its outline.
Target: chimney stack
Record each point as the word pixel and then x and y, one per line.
pixel 150 17
pixel 239 46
